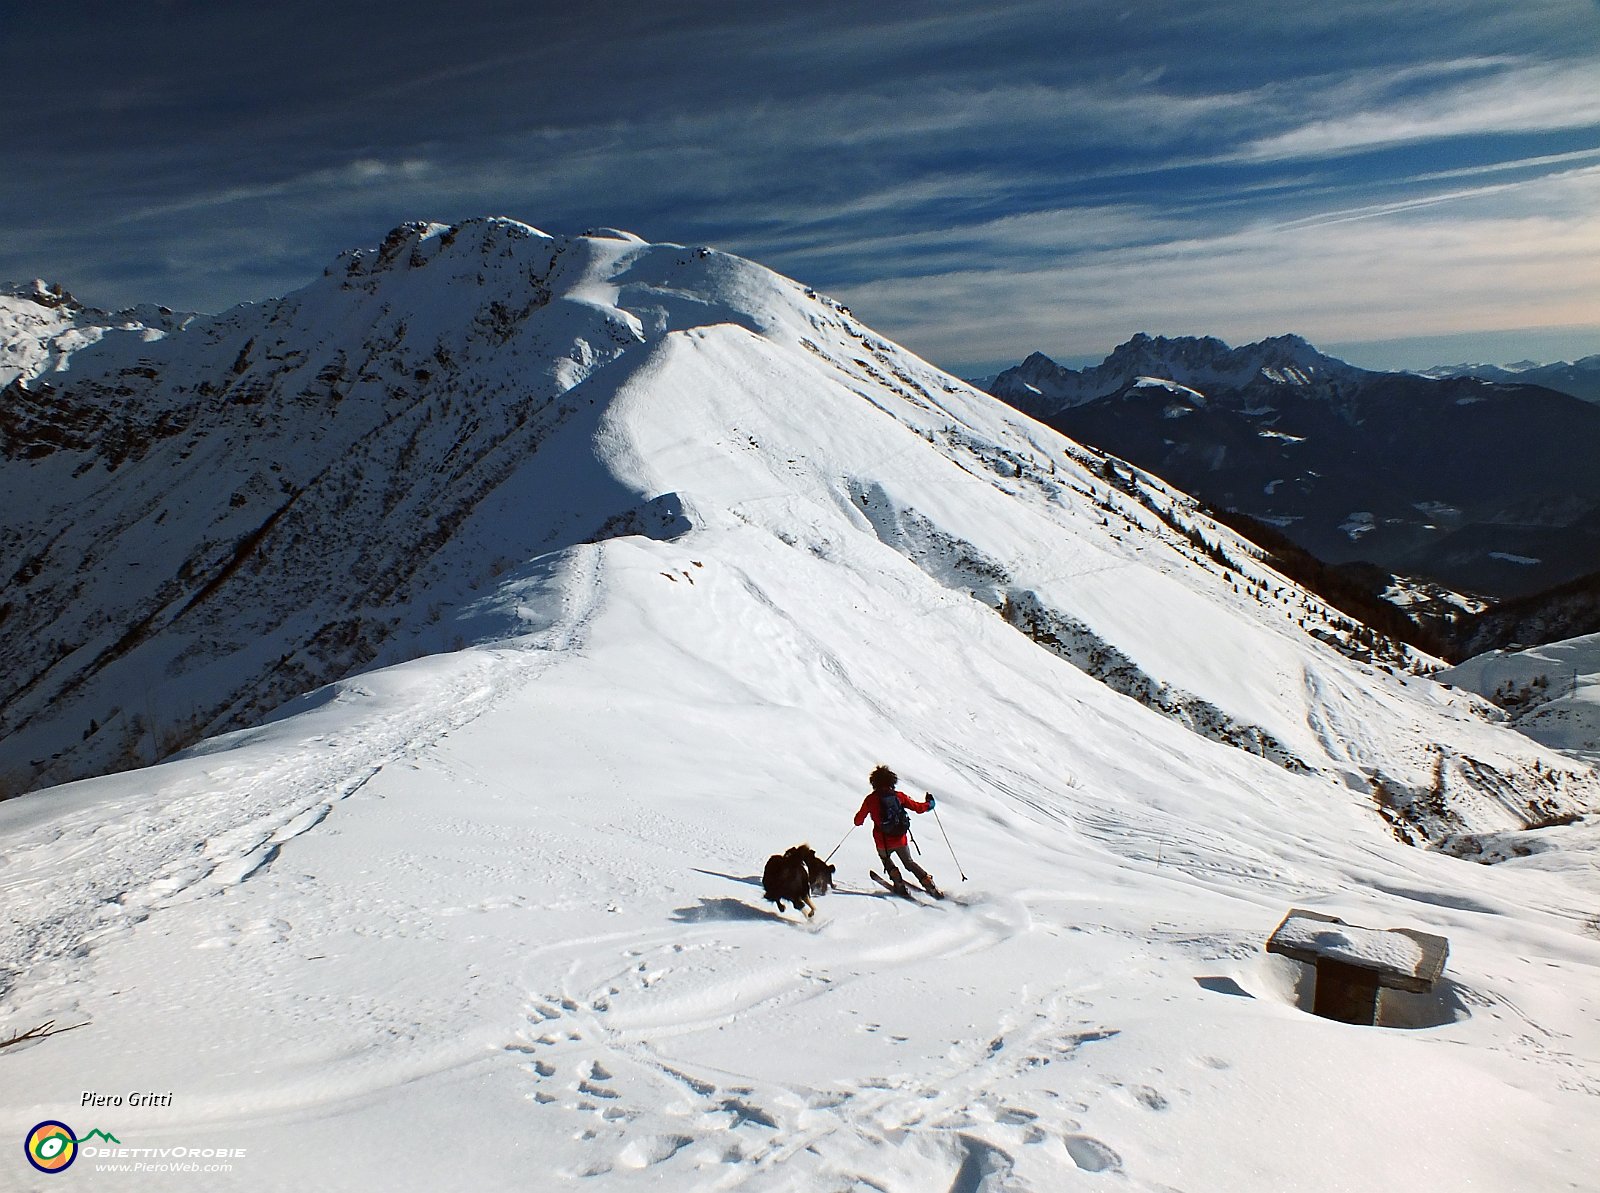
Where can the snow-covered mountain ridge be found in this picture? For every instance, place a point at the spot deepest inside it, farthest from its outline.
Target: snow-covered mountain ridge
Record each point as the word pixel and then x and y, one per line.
pixel 1480 486
pixel 1551 692
pixel 42 325
pixel 628 592
pixel 1042 387
pixel 1580 378
pixel 277 497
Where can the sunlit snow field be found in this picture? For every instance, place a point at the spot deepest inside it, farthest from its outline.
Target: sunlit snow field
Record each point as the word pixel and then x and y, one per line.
pixel 492 918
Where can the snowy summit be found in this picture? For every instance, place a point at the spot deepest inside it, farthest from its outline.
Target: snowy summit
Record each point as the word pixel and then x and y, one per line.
pixel 465 630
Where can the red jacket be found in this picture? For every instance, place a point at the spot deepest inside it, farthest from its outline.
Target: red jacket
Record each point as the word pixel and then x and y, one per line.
pixel 870 807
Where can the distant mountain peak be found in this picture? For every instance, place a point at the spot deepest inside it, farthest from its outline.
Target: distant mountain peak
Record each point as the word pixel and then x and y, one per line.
pixel 1351 464
pixel 1192 362
pixel 50 295
pixel 415 242
pixel 42 324
pixel 1580 378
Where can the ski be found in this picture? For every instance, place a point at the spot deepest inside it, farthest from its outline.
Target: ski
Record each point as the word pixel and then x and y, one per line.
pixel 902 890
pixel 905 892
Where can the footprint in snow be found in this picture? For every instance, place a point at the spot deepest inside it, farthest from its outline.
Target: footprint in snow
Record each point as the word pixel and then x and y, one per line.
pixel 1149 1097
pixel 651 1149
pixel 703 1088
pixel 743 1112
pixel 1089 1154
pixel 983 1165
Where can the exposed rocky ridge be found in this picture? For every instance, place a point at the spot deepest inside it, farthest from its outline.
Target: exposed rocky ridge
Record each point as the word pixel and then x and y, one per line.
pixel 1042 387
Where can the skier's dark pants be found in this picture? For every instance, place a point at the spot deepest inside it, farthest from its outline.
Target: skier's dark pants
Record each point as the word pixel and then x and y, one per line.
pixel 903 852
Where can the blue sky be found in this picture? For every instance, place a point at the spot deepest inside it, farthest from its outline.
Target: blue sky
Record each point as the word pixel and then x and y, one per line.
pixel 1404 184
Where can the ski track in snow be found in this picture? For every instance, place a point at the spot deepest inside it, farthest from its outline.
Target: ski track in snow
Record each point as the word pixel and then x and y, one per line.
pixel 217 826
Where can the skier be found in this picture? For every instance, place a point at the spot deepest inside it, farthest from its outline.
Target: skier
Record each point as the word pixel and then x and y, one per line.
pixel 891 826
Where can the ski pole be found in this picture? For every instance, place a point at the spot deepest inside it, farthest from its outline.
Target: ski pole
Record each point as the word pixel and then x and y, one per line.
pixel 949 846
pixel 842 840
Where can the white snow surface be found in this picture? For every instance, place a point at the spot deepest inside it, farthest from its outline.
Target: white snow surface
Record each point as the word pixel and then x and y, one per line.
pixel 1357 524
pixel 1551 691
pixel 1171 387
pixel 491 917
pixel 1370 948
pixel 1409 590
pixel 41 327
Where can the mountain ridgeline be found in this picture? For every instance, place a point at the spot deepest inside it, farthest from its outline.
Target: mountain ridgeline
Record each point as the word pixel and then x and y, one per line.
pixel 1580 378
pixel 480 433
pixel 1483 487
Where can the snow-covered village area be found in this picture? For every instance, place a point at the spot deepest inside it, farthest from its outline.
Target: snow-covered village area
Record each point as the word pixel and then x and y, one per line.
pixel 474 899
pixel 737 598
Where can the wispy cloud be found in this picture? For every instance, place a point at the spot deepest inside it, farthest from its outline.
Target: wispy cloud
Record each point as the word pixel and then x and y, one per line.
pixel 1528 258
pixel 973 177
pixel 362 173
pixel 1519 97
pixel 1541 162
pixel 1542 186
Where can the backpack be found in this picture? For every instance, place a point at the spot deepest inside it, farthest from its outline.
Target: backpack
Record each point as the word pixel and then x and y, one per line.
pixel 893 820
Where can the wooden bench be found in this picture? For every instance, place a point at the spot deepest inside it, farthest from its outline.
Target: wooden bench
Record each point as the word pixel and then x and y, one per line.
pixel 1353 963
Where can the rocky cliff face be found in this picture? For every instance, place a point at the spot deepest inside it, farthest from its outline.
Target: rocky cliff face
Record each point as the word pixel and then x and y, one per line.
pixel 1042 387
pixel 206 524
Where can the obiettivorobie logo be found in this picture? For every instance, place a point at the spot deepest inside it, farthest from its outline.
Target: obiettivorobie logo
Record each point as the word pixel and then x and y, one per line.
pixel 52 1147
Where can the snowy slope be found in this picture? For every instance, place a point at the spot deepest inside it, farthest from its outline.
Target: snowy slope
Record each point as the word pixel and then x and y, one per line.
pixel 292 492
pixel 41 326
pixel 1551 692
pixel 491 916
